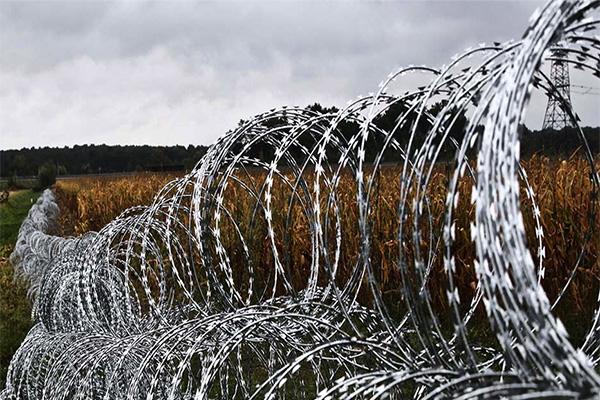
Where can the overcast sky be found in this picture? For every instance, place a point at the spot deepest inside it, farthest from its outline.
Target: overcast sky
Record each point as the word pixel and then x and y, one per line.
pixel 169 73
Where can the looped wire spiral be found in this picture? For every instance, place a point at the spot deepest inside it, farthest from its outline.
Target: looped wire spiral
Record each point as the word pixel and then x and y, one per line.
pixel 204 293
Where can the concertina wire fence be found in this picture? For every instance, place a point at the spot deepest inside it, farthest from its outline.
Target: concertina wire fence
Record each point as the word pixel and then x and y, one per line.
pixel 154 306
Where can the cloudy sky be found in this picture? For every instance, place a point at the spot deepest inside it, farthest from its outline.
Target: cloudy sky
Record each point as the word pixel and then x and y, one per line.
pixel 185 72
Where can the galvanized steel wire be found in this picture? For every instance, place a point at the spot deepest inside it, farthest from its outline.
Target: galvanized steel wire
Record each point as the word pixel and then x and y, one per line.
pixel 158 305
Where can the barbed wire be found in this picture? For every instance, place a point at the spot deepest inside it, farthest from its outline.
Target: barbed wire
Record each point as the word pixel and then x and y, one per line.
pixel 191 298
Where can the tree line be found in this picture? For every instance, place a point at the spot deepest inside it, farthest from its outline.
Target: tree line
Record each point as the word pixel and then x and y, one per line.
pixel 88 159
pixel 552 143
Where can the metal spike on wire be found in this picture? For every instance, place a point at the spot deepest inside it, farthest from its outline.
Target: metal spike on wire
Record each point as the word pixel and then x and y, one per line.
pixel 176 301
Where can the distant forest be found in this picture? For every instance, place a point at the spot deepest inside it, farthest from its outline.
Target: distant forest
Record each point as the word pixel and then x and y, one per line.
pixel 88 159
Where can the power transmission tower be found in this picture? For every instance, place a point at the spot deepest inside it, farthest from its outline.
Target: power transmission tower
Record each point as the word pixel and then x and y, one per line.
pixel 556 116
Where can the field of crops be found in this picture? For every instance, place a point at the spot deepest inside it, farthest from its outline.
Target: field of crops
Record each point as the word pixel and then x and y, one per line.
pixel 562 189
pixel 89 203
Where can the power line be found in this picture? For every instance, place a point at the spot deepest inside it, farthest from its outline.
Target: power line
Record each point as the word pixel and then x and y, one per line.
pixel 583 90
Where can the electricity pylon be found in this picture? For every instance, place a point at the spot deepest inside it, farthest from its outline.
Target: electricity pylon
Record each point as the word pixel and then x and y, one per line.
pixel 556 116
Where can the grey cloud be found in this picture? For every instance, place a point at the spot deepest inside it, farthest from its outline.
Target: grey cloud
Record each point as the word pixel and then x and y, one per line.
pixel 70 62
pixel 61 18
pixel 115 30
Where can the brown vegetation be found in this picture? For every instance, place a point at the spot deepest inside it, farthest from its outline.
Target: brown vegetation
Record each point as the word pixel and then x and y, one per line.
pixel 564 195
pixel 89 203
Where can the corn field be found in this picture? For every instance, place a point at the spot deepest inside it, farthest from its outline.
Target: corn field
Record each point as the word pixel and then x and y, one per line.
pixel 352 259
pixel 90 203
pixel 562 189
